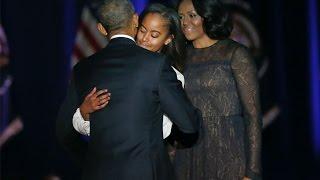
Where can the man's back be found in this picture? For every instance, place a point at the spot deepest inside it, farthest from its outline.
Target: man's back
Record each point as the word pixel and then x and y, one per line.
pixel 126 136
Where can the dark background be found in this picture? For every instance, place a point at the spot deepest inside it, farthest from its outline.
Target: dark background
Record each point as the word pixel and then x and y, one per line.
pixel 41 34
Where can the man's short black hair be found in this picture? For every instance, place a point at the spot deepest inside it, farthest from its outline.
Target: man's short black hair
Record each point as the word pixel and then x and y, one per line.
pixel 115 14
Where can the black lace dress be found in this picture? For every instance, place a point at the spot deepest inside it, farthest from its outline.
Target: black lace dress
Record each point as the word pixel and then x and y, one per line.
pixel 221 81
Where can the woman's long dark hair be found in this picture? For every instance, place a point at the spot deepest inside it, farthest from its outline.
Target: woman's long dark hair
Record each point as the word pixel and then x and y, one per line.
pixel 217 23
pixel 177 47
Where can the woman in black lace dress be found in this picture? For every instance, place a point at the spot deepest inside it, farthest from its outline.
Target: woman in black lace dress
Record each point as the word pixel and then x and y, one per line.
pixel 221 81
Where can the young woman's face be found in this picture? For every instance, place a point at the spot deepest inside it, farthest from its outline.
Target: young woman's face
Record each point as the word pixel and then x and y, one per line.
pixel 153 32
pixel 191 22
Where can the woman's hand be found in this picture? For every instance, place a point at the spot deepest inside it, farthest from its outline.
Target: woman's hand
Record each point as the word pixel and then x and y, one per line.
pixel 94 101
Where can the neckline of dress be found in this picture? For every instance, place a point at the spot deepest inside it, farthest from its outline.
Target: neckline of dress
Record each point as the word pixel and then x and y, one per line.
pixel 212 45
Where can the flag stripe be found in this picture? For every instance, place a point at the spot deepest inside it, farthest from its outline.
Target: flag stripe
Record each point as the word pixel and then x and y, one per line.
pixel 84 45
pixel 88 39
pixel 78 53
pixel 89 36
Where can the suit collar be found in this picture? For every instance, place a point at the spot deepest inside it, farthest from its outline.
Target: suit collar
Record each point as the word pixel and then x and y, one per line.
pixel 121 40
pixel 122 35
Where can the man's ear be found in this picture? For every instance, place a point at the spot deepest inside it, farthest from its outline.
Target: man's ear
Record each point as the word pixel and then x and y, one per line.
pixel 102 30
pixel 136 20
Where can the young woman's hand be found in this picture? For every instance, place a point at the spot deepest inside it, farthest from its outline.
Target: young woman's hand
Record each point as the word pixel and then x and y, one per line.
pixel 94 101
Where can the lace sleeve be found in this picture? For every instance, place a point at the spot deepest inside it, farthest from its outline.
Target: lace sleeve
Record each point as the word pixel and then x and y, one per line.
pixel 245 74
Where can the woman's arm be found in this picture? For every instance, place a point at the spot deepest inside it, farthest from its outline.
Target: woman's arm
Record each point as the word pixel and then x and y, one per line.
pixel 94 101
pixel 246 78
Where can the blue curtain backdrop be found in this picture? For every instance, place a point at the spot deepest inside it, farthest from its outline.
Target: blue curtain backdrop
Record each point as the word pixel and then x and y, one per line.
pixel 41 35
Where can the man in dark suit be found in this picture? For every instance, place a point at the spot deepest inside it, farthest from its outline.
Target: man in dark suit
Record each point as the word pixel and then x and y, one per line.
pixel 126 140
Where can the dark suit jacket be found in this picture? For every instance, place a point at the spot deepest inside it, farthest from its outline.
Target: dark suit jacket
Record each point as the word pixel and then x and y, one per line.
pixel 126 137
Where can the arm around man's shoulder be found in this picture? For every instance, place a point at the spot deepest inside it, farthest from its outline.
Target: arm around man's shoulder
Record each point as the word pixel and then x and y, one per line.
pixel 175 102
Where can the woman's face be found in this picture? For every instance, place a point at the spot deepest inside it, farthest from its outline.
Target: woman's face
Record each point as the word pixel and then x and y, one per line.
pixel 153 32
pixel 191 22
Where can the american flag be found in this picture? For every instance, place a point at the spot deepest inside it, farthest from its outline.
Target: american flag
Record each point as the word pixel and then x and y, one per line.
pixel 88 39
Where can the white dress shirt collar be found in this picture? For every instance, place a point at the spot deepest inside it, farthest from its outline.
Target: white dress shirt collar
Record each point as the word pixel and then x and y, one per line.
pixel 122 35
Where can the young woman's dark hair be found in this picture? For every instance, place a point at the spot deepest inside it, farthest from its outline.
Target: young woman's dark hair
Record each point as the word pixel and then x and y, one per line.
pixel 217 23
pixel 177 47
